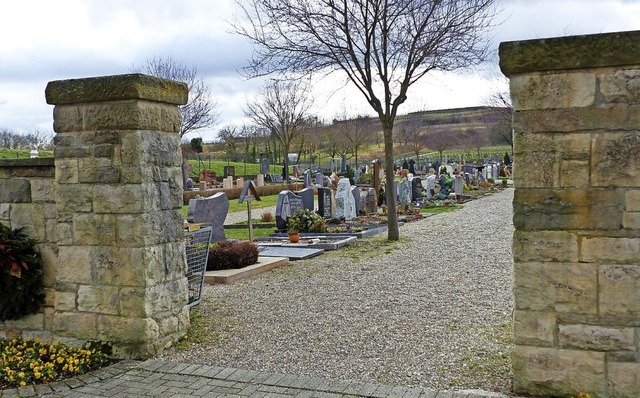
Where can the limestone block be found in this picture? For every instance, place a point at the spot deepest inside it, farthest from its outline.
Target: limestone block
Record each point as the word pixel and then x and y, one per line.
pixel 631 220
pixel 553 90
pixel 5 211
pixel 63 234
pixel 537 170
pixel 615 161
pixel 167 296
pixel 42 335
pixel 74 265
pixel 581 120
pixel 596 338
pixel 94 229
pixel 67 170
pixel 561 287
pixel 98 299
pixel 155 149
pixel 632 200
pixel 79 325
pixel 559 246
pixel 127 199
pixel 621 86
pixel 536 328
pixel 620 291
pixel 42 190
pixel 548 209
pixel 32 321
pixel 134 303
pixel 610 250
pixel 29 216
pixel 558 372
pixel 574 174
pixel 49 261
pixel 15 190
pixel 149 229
pixel 119 329
pixel 48 318
pixel 175 260
pixel 127 266
pixel 624 379
pixel 74 198
pixel 65 301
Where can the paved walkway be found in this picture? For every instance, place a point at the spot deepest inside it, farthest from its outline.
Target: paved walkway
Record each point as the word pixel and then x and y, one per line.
pixel 154 378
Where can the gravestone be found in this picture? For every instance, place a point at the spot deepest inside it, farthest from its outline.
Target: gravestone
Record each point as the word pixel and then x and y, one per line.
pixel 355 191
pixel 227 183
pixel 212 210
pixel 307 198
pixel 345 203
pixel 404 192
pixel 307 178
pixel 343 163
pixel 371 202
pixel 412 168
pixel 356 175
pixel 265 167
pixel 297 170
pixel 240 182
pixel 327 182
pixel 229 171
pixel 416 189
pixel 189 184
pixel 494 172
pixel 277 178
pixel 458 184
pixel 287 204
pixel 324 202
pixel 319 179
pixel 467 178
pixel 260 180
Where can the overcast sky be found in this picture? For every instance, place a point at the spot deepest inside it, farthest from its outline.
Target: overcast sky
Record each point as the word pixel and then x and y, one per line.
pixel 44 40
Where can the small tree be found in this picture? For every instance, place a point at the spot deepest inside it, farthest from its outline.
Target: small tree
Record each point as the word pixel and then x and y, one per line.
pixel 196 144
pixel 201 111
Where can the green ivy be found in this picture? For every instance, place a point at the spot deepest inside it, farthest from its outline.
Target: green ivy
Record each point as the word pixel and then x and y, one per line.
pixel 21 275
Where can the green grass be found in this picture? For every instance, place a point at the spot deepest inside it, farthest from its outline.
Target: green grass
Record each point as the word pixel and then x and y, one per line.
pixel 22 153
pixel 441 209
pixel 243 233
pixel 266 201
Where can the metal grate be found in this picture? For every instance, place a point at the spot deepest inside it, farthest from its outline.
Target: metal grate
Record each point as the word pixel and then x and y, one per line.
pixel 197 247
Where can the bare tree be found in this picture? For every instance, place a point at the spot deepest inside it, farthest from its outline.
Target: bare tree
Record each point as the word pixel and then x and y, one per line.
pixel 282 108
pixel 356 131
pixel 384 47
pixel 440 141
pixel 417 141
pixel 501 100
pixel 201 111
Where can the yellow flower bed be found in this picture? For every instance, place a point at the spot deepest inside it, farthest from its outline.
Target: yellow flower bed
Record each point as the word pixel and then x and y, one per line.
pixel 30 361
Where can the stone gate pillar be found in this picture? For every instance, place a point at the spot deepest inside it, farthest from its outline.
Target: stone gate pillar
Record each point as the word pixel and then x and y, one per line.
pixel 576 245
pixel 120 274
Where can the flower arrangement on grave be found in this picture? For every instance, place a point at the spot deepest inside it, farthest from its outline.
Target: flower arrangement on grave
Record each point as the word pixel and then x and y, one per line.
pixel 21 275
pixel 305 221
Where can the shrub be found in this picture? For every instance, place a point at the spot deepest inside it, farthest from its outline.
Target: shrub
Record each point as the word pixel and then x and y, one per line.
pixel 266 217
pixel 30 361
pixel 21 275
pixel 306 221
pixel 228 254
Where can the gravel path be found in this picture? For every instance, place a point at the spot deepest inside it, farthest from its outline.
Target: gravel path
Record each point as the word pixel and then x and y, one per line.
pixel 432 310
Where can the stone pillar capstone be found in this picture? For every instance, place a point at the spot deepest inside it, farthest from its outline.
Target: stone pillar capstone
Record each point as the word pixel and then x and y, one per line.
pixel 120 275
pixel 576 214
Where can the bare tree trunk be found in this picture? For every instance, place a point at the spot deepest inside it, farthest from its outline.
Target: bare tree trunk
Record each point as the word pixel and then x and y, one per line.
pixel 392 213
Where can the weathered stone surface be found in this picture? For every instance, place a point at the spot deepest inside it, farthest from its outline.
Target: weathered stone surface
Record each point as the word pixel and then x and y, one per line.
pixel 15 190
pixel 74 198
pixel 537 170
pixel 126 266
pixel 98 299
pixel 616 160
pixel 621 86
pixel 631 220
pixel 596 338
pixel 142 148
pixel 42 190
pixel 632 200
pixel 29 216
pixel 134 303
pixel 94 229
pixel 536 328
pixel 5 211
pixel 74 264
pixel 127 330
pixel 561 287
pixel 624 380
pixel 67 170
pixel 574 174
pixel 149 229
pixel 548 209
pixel 553 90
pixel 65 301
pixel 611 118
pixel 32 321
pixel 557 372
pixel 619 291
pixel 79 325
pixel 610 250
pixel 559 246
pixel 126 199
pixel 572 52
pixel 115 88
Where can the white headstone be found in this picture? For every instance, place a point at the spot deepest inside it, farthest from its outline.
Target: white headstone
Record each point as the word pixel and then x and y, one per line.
pixel 260 180
pixel 345 202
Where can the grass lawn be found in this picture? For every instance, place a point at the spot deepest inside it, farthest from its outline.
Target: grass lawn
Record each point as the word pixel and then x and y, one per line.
pixel 266 201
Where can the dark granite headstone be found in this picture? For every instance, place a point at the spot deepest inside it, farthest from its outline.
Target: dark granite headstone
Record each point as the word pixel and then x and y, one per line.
pixel 277 178
pixel 355 191
pixel 307 178
pixel 229 171
pixel 370 202
pixel 324 202
pixel 212 210
pixel 343 163
pixel 467 178
pixel 416 189
pixel 287 204
pixel 319 179
pixel 264 167
pixel 412 168
pixel 307 198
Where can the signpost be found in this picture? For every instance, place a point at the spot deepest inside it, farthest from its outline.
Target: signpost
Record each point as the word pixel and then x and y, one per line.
pixel 249 193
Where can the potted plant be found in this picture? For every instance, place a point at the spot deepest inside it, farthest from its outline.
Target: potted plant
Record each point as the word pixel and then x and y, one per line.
pixel 294 225
pixel 305 221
